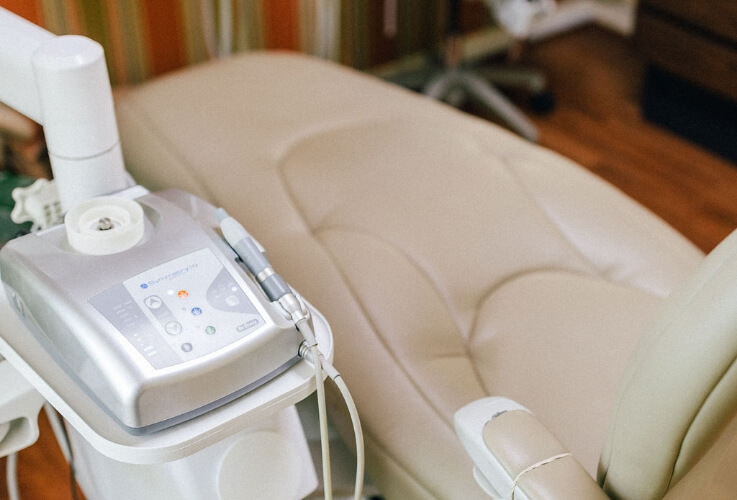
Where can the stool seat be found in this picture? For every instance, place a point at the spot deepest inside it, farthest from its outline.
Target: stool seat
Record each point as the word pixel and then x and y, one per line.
pixel 453 259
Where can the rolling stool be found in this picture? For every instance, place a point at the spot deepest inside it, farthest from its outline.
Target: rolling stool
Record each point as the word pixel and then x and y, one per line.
pixel 452 83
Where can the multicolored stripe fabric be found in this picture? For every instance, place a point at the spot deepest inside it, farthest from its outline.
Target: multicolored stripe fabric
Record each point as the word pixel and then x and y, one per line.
pixel 144 38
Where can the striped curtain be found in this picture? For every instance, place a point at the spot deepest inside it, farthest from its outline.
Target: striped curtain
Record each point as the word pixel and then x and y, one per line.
pixel 144 38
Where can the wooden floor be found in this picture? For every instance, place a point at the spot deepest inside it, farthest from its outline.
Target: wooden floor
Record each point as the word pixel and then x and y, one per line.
pixel 596 77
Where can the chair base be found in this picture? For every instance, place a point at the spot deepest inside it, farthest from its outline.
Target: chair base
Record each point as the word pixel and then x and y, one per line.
pixel 455 85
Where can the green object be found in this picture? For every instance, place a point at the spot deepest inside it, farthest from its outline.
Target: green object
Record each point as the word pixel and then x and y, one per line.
pixel 9 229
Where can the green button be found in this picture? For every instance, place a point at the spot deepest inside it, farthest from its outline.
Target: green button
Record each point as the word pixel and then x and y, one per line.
pixel 210 330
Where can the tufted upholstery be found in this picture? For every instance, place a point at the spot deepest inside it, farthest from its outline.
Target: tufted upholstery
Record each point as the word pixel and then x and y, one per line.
pixel 452 259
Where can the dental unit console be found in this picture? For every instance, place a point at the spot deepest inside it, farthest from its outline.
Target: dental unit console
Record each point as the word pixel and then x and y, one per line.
pixel 147 308
pixel 153 323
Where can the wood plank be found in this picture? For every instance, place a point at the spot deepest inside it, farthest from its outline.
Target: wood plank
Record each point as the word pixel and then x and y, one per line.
pixel 596 76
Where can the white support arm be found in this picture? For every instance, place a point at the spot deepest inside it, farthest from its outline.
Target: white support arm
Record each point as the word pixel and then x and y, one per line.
pixel 19 39
pixel 62 83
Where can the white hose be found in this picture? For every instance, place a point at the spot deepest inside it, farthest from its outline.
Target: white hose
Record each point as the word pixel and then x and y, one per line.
pixel 12 477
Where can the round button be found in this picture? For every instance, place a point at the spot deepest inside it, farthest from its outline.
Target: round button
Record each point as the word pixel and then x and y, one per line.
pixel 173 328
pixel 187 347
pixel 210 330
pixel 196 311
pixel 182 294
pixel 153 302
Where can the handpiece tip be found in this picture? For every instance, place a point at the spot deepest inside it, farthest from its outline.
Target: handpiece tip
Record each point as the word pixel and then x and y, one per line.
pixel 221 214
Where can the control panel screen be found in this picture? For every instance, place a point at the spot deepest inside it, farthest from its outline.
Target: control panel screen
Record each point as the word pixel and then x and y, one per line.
pixel 181 310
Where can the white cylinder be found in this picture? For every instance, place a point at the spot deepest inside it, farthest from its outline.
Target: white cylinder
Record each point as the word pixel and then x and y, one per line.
pixel 78 116
pixel 104 225
pixel 19 39
pixel 78 180
pixel 76 100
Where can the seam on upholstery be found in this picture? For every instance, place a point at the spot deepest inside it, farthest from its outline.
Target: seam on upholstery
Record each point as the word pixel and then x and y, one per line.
pixel 357 298
pixel 359 304
pixel 146 122
pixel 280 153
pixel 473 329
pixel 470 356
pixel 514 277
pixel 698 412
pixel 382 341
pixel 279 158
pixel 379 450
pixel 321 227
pixel 408 258
pixel 507 161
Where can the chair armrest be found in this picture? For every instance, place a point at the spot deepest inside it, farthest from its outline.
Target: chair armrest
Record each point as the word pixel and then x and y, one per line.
pixel 516 457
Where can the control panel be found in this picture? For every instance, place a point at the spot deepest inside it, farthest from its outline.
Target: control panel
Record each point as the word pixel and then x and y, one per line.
pixel 180 310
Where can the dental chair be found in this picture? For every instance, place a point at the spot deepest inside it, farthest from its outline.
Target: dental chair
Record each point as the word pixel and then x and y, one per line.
pixel 456 261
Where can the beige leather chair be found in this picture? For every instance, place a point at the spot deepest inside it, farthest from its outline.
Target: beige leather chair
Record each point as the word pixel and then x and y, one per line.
pixel 453 260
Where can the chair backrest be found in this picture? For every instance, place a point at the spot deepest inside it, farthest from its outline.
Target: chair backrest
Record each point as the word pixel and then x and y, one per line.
pixel 679 391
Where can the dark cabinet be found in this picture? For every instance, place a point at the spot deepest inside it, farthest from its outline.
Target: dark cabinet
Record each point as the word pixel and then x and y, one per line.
pixel 690 47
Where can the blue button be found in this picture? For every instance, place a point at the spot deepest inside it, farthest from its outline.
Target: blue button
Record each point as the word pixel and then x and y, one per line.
pixel 196 311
